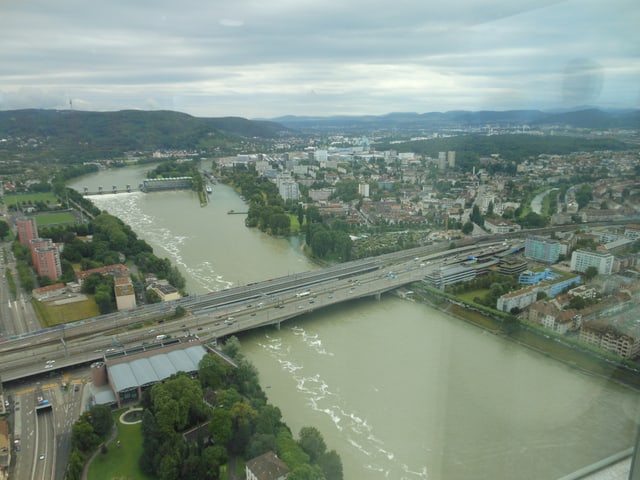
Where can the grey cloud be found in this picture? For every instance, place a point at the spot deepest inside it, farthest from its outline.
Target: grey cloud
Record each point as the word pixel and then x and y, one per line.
pixel 251 56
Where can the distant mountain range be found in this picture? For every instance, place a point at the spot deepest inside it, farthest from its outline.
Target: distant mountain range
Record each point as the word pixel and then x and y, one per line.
pixel 69 131
pixel 159 127
pixel 584 118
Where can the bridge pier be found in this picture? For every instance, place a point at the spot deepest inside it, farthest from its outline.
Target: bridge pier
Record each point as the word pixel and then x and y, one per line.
pixel 378 296
pixel 277 325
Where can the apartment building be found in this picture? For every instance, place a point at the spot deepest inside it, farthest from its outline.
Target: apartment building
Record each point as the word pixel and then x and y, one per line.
pixel 583 259
pixel 519 299
pixel 48 261
pixel 621 339
pixel 27 230
pixel 542 249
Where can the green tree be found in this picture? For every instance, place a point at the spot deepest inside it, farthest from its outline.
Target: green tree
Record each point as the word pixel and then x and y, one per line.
pixel 83 437
pixel 476 216
pixel 4 229
pixel 102 420
pixel 467 228
pixel 177 403
pixel 213 458
pixel 590 273
pixel 312 443
pixel 577 303
pixel 260 443
pixel 331 465
pixel 151 441
pixel 313 215
pixel 75 465
pixel 105 297
pixel 321 244
pixel 221 426
pixel 289 450
pixel 243 417
pixel 269 419
pixel 212 372
pixel 306 472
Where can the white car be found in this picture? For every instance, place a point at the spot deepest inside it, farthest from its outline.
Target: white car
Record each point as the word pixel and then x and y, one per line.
pixel 48 365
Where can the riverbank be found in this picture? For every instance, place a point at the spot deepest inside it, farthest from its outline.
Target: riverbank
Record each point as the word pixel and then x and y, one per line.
pixel 549 345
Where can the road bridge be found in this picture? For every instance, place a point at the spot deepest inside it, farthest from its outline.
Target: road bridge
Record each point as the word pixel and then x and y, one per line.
pixel 217 314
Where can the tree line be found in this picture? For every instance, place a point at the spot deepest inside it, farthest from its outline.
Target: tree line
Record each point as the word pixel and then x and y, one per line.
pixel 229 418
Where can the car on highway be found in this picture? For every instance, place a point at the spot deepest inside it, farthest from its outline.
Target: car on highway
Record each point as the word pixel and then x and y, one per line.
pixel 48 365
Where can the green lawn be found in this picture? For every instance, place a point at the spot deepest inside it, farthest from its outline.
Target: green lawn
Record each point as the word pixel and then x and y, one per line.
pixel 295 225
pixel 469 296
pixel 55 218
pixel 31 198
pixel 120 463
pixel 51 315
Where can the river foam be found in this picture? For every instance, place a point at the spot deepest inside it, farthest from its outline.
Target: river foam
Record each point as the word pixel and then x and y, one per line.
pixel 321 398
pixel 127 207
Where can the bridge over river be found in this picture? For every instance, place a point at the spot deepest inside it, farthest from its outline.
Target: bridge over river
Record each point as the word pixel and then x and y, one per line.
pixel 217 314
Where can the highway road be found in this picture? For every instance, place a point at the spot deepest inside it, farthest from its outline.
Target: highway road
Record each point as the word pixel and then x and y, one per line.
pixel 44 454
pixel 211 316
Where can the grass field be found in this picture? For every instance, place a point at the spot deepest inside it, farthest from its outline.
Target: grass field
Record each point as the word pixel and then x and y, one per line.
pixel 55 218
pixel 30 198
pixel 120 463
pixel 469 296
pixel 51 315
pixel 295 225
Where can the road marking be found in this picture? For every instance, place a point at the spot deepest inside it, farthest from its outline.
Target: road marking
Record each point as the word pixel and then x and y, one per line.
pixel 26 390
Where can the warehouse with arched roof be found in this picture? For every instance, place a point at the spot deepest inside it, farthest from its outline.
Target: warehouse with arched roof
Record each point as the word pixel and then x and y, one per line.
pixel 129 374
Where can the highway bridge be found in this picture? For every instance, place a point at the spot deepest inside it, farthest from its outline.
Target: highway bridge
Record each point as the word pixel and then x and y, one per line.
pixel 218 314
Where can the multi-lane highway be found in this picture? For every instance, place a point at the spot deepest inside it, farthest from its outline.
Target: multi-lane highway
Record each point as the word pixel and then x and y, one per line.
pixel 215 315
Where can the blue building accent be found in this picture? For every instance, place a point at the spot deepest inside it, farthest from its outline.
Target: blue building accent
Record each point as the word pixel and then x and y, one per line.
pixel 551 287
pixel 531 278
pixel 556 288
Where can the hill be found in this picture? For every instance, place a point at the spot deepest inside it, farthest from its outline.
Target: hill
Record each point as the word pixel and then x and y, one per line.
pixel 76 135
pixel 583 118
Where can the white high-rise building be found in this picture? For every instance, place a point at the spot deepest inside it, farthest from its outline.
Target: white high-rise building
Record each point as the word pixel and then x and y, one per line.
pixel 451 159
pixel 583 259
pixel 287 188
pixel 363 189
pixel 321 155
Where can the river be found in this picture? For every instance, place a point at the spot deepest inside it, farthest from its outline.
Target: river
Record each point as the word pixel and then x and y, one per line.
pixel 398 389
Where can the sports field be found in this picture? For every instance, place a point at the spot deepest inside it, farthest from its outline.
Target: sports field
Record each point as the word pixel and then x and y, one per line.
pixel 55 218
pixel 26 199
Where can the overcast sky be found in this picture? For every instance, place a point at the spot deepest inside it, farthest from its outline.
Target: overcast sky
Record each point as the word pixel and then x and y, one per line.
pixel 267 58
